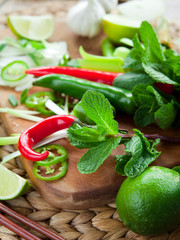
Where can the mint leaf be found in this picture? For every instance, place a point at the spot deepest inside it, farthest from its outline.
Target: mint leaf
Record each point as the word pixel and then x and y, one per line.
pixel 157 76
pixel 121 161
pixel 95 156
pixel 165 115
pixel 130 79
pixel 98 109
pixel 149 38
pixel 139 154
pixel 84 137
pixel 143 117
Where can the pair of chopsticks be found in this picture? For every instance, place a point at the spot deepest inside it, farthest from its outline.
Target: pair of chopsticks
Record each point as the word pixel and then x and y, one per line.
pixel 21 231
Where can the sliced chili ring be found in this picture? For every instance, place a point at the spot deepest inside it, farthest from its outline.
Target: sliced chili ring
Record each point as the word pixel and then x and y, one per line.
pixel 14 71
pixel 51 160
pixel 38 99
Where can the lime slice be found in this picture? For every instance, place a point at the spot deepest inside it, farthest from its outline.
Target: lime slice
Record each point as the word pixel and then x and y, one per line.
pixel 32 27
pixel 117 27
pixel 12 185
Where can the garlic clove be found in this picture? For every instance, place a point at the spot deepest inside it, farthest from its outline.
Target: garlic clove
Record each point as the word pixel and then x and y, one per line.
pixel 85 18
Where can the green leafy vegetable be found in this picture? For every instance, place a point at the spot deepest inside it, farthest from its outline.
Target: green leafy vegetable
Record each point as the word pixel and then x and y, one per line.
pixel 139 154
pixel 152 72
pixel 95 156
pixel 98 109
pixel 104 137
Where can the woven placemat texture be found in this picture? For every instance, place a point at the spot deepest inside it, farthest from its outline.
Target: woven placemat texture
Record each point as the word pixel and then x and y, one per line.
pixel 91 224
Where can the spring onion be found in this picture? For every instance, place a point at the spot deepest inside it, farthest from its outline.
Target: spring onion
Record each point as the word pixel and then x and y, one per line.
pixel 13 100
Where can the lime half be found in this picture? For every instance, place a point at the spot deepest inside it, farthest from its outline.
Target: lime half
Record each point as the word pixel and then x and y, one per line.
pixel 117 27
pixel 12 185
pixel 36 28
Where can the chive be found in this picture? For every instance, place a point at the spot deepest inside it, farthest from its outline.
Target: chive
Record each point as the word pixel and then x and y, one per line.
pixel 12 99
pixel 23 96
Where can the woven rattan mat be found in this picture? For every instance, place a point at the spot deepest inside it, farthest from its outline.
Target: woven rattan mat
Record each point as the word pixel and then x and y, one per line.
pixel 91 224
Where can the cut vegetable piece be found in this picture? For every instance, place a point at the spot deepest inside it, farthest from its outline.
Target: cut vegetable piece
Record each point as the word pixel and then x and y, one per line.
pixel 12 185
pixel 14 71
pixel 12 99
pixel 117 27
pixel 36 28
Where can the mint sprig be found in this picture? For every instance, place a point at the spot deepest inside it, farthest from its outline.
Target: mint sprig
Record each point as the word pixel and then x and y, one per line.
pixel 139 154
pixel 95 156
pixel 98 109
pixel 104 137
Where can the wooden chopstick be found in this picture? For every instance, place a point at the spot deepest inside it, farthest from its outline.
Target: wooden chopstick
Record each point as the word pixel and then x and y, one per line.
pixel 36 226
pixel 17 229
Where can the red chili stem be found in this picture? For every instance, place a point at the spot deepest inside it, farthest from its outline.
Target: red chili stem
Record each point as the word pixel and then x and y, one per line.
pixel 39 131
pixel 92 75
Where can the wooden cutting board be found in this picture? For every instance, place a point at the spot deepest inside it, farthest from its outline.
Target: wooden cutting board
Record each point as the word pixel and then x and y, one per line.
pixel 75 190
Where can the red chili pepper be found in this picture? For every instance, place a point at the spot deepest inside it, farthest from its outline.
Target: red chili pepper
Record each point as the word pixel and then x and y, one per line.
pixel 92 75
pixel 164 87
pixel 39 131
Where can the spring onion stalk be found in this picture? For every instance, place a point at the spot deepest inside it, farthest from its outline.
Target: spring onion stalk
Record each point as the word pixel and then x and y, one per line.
pixel 29 112
pixel 9 140
pixel 55 108
pixel 66 104
pixel 22 114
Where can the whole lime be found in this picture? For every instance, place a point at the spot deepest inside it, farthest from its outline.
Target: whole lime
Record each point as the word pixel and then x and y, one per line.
pixel 149 204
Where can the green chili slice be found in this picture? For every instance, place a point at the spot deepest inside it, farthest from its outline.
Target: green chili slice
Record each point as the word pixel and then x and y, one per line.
pixel 14 71
pixel 39 98
pixel 51 160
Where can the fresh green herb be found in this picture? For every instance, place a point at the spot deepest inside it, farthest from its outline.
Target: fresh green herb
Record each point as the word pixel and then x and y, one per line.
pixel 24 95
pixel 139 154
pixel 150 63
pixel 12 99
pixel 104 137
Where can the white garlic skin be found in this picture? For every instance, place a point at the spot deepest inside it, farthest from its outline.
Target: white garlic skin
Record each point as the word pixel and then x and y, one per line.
pixel 85 18
pixel 108 5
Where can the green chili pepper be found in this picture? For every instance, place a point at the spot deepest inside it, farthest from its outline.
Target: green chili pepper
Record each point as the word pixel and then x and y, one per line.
pixel 121 99
pixel 51 160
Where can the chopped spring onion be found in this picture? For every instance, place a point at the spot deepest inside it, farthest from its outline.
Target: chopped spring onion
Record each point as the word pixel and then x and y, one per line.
pixel 14 71
pixel 12 99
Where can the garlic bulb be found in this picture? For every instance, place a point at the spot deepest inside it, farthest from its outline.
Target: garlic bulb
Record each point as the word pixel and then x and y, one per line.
pixel 108 5
pixel 85 18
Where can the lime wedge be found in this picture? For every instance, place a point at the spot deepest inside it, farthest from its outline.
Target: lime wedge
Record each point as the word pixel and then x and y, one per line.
pixel 117 27
pixel 12 185
pixel 36 28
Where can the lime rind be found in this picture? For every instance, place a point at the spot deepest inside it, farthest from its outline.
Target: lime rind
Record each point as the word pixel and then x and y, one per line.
pixel 37 28
pixel 12 185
